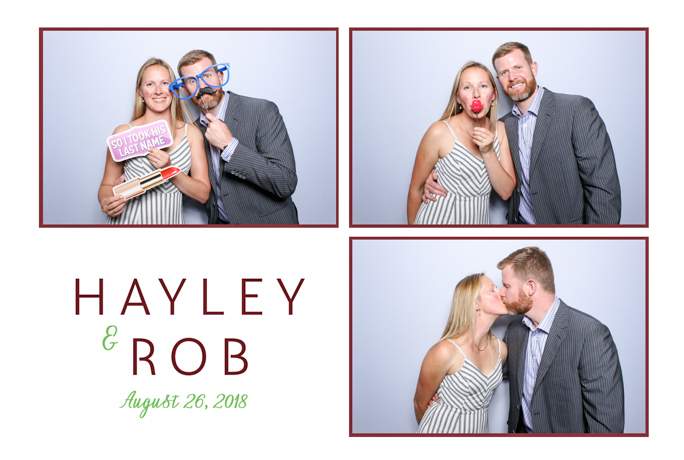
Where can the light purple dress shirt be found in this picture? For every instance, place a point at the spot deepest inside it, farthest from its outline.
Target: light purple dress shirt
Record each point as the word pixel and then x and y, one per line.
pixel 526 125
pixel 536 341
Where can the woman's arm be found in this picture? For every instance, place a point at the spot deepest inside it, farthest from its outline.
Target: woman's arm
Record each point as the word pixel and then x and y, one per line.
pixel 426 159
pixel 111 205
pixel 197 185
pixel 438 361
pixel 500 171
pixel 505 156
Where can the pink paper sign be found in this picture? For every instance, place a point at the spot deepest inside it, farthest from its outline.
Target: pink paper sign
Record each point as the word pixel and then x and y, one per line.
pixel 137 141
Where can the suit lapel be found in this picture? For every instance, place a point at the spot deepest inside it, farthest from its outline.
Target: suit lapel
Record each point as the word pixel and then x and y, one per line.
pixel 523 334
pixel 512 133
pixel 232 117
pixel 559 330
pixel 544 117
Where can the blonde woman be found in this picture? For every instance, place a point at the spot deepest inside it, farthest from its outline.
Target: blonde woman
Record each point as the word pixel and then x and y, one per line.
pixel 465 366
pixel 469 149
pixel 163 204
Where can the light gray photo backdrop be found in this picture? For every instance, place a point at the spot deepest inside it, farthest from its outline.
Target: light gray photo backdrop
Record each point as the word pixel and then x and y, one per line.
pixel 402 81
pixel 400 304
pixel 88 89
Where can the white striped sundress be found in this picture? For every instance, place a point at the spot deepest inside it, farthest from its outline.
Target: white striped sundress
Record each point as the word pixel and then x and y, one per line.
pixel 162 204
pixel 465 178
pixel 464 398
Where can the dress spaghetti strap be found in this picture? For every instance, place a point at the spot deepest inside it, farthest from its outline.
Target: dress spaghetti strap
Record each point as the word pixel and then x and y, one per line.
pixel 452 133
pixel 459 348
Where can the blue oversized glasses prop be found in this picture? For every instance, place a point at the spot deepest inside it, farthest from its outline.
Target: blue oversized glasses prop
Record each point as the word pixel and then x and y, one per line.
pixel 186 87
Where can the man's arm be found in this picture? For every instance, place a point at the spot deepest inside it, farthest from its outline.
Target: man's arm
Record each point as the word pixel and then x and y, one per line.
pixel 271 166
pixel 596 163
pixel 432 188
pixel 603 395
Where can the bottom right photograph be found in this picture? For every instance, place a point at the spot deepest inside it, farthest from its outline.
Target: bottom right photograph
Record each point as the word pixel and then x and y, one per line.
pixel 515 336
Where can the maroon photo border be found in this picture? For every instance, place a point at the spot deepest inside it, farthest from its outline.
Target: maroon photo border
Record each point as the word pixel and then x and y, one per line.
pixel 492 29
pixel 410 435
pixel 191 29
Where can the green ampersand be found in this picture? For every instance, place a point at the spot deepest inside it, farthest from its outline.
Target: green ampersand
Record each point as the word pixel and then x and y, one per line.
pixel 107 336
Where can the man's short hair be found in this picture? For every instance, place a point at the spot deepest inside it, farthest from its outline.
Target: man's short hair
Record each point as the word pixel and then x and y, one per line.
pixel 531 263
pixel 193 56
pixel 508 47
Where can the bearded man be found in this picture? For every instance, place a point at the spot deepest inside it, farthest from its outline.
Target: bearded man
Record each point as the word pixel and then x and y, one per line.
pixel 563 157
pixel 563 367
pixel 251 162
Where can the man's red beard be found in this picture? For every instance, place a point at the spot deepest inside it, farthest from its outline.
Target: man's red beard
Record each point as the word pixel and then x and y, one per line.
pixel 212 101
pixel 527 91
pixel 522 306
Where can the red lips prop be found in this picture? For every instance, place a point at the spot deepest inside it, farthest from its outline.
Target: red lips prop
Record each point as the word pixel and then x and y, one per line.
pixel 476 106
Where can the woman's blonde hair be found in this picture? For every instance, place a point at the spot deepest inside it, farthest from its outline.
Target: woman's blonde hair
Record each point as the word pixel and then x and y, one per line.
pixel 179 113
pixel 462 314
pixel 453 108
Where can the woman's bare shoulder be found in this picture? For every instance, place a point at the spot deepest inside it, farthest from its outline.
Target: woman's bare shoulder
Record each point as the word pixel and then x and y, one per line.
pixel 438 136
pixel 501 127
pixel 438 129
pixel 504 350
pixel 193 130
pixel 448 355
pixel 122 128
pixel 443 349
pixel 194 134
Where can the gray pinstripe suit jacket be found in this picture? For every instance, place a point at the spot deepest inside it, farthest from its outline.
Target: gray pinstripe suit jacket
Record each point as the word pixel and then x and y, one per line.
pixel 579 385
pixel 257 182
pixel 573 178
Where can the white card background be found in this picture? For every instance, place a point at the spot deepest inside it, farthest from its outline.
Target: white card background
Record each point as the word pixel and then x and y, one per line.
pixel 62 391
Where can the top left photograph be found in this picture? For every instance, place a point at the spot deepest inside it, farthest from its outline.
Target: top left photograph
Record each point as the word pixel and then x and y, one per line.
pixel 184 127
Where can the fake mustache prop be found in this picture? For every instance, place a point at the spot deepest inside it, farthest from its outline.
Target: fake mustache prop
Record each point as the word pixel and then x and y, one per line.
pixel 202 92
pixel 205 90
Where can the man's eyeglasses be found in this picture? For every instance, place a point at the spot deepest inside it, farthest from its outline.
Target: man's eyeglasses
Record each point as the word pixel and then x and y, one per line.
pixel 186 87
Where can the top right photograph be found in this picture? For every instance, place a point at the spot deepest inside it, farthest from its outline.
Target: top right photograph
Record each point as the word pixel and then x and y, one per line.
pixel 545 127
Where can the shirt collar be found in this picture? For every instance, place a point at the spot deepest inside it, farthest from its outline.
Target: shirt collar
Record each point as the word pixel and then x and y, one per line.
pixel 221 111
pixel 534 107
pixel 547 321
